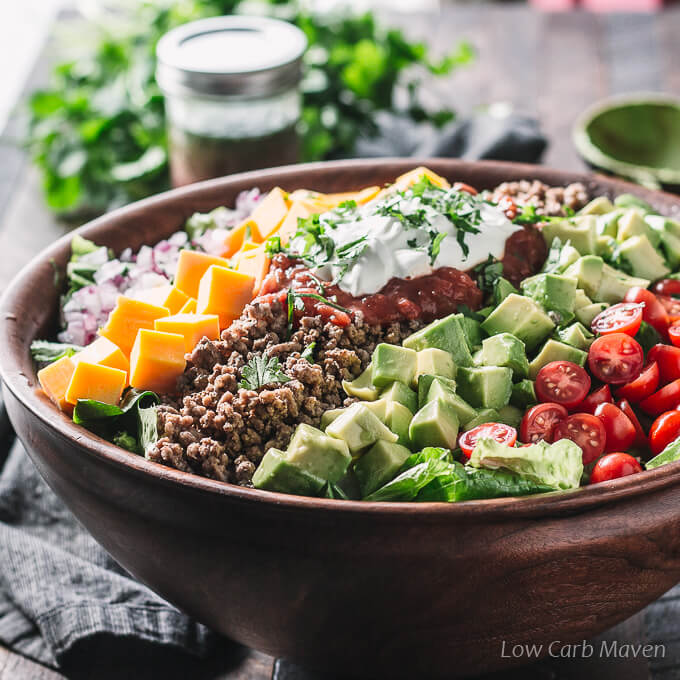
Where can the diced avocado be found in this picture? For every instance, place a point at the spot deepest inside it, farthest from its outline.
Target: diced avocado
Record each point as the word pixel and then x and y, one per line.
pixel 597 206
pixel 473 331
pixel 434 361
pixel 566 255
pixel 588 272
pixel 608 224
pixel 362 387
pixel 378 408
pixel 576 335
pixel 359 428
pixel 523 394
pixel 485 415
pixel 647 336
pixel 630 201
pixel 446 334
pixel 402 394
pixel 440 389
pixel 379 465
pixel 486 386
pixel 606 246
pixel 436 424
pixel 669 235
pixel 581 299
pixel 501 289
pixel 510 415
pixel 556 351
pixel 505 349
pixel 586 314
pixel 643 259
pixel 318 454
pixel 555 293
pixel 632 223
pixel 390 363
pixel 424 383
pixel 398 419
pixel 521 316
pixel 347 486
pixel 669 455
pixel 559 465
pixel 275 473
pixel 581 231
pixel 327 417
pixel 614 284
pixel 485 311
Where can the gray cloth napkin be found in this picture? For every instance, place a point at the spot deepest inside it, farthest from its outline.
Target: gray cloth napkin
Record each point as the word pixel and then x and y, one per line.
pixel 63 599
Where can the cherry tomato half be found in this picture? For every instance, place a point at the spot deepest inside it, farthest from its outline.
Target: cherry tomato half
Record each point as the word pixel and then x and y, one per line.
pixel 674 333
pixel 668 361
pixel 666 399
pixel 644 385
pixel 654 312
pixel 539 422
pixel 613 466
pixel 625 317
pixel 615 358
pixel 620 431
pixel 461 186
pixel 599 396
pixel 670 304
pixel 664 430
pixel 585 430
pixel 562 382
pixel 668 287
pixel 502 433
pixel 640 436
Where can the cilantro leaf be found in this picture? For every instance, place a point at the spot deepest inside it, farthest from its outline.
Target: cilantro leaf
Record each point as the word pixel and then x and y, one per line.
pixel 308 352
pixel 262 370
pixel 487 273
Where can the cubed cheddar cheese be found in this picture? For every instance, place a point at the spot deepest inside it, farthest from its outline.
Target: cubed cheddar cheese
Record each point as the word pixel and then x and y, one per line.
pixel 127 317
pixel 235 239
pixel 190 269
pixel 156 361
pixel 268 215
pixel 93 381
pixel 301 209
pixel 54 380
pixel 255 263
pixel 102 351
pixel 224 292
pixel 249 245
pixel 409 178
pixel 193 327
pixel 170 297
pixel 189 307
pixel 359 197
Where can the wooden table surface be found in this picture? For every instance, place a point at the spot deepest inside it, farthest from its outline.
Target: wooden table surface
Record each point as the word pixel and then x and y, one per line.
pixel 550 66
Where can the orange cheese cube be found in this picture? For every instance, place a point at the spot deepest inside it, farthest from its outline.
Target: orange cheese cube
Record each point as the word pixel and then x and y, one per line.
pixel 190 269
pixel 255 263
pixel 127 317
pixel 54 380
pixel 249 245
pixel 360 197
pixel 235 238
pixel 268 215
pixel 170 297
pixel 224 292
pixel 189 307
pixel 93 381
pixel 193 327
pixel 409 178
pixel 103 352
pixel 298 210
pixel 156 361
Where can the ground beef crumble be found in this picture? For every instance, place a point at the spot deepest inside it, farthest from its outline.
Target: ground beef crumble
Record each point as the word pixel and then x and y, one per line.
pixel 546 199
pixel 216 429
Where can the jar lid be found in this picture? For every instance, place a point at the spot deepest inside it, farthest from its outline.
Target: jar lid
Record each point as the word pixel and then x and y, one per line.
pixel 230 56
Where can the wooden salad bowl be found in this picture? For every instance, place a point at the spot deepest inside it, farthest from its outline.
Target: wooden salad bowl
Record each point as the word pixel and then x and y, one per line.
pixel 360 589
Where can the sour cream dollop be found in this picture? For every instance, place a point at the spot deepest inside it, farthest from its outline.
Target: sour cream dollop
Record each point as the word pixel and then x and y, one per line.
pixel 392 246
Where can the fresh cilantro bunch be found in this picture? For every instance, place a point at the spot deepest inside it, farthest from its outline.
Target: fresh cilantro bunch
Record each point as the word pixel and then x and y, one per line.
pixel 98 132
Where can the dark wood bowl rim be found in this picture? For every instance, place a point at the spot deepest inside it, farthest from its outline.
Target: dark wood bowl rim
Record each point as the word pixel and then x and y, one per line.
pixel 14 363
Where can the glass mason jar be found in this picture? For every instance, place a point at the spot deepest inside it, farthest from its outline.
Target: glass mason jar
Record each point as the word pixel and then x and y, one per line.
pixel 232 95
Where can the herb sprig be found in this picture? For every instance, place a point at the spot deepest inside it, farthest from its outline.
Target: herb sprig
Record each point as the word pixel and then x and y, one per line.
pixel 262 370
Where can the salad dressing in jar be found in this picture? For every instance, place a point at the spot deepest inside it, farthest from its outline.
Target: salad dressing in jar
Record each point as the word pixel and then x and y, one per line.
pixel 232 95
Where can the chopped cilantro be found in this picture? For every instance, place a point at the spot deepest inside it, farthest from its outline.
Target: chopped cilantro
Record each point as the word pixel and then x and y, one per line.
pixel 262 370
pixel 435 245
pixel 273 246
pixel 487 273
pixel 308 352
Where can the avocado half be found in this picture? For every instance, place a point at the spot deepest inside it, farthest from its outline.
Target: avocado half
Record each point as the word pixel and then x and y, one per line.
pixel 634 136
